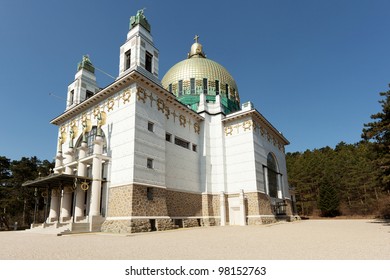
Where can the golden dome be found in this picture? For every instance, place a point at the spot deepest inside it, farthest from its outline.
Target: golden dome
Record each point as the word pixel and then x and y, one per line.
pixel 188 78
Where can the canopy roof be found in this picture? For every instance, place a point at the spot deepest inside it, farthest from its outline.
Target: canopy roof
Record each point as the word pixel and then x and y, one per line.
pixel 56 180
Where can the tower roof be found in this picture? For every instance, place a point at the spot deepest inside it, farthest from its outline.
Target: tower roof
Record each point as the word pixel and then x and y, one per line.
pixel 86 64
pixel 140 19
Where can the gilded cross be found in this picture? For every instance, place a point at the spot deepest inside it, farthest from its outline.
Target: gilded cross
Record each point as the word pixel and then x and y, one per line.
pixel 196 38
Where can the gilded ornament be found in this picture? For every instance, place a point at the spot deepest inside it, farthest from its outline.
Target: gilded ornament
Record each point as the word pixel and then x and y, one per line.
pixel 197 127
pixel 228 130
pixel 126 96
pixel 96 111
pixel 110 104
pixel 86 123
pixel 101 117
pixel 160 105
pixel 167 112
pixel 141 94
pixel 183 120
pixel 84 185
pixel 247 125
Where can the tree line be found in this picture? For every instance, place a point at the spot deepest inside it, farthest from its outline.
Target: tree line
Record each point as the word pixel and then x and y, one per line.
pixel 17 202
pixel 350 179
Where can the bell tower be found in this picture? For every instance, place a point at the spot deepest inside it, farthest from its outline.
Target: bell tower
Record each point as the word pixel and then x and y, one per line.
pixel 84 84
pixel 138 52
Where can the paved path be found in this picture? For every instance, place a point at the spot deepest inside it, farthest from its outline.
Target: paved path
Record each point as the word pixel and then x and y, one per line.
pixel 310 239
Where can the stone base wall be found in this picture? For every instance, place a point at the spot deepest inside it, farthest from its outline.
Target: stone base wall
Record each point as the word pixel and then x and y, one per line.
pixel 182 204
pixel 183 209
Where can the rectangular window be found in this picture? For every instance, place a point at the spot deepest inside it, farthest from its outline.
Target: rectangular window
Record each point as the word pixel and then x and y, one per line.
pixel 180 87
pixel 194 147
pixel 149 163
pixel 71 99
pixel 150 126
pixel 183 143
pixel 216 87
pixel 168 137
pixel 170 88
pixel 227 90
pixel 149 193
pixel 192 84
pixel 127 59
pixel 205 86
pixel 89 94
pixel 148 61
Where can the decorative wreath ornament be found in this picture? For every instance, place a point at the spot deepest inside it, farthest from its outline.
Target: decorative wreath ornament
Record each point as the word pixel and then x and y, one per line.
pixel 247 125
pixel 196 127
pixel 110 104
pixel 160 105
pixel 141 94
pixel 228 130
pixel 84 185
pixel 44 194
pixel 182 120
pixel 126 96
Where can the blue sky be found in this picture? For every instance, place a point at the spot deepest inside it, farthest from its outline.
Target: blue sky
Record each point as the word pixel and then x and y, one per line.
pixel 314 69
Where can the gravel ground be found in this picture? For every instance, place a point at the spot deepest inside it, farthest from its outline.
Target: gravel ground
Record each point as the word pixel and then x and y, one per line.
pixel 302 240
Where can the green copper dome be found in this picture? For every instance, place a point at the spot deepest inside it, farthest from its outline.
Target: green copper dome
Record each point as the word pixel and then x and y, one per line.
pixel 197 75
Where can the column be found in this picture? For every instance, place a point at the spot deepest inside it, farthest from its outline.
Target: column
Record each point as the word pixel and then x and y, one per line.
pixel 81 171
pixel 55 194
pixel 94 209
pixel 54 206
pixel 242 208
pixel 66 199
pixel 222 207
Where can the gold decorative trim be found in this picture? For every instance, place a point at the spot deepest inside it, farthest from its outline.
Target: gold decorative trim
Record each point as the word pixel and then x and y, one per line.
pixel 126 96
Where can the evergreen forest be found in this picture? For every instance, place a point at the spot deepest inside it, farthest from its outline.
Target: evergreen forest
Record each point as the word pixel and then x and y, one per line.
pixel 350 179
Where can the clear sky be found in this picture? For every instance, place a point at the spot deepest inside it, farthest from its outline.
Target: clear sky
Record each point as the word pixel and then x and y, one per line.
pixel 314 69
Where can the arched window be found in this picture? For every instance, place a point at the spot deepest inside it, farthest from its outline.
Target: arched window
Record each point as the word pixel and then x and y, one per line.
pixel 272 175
pixel 90 139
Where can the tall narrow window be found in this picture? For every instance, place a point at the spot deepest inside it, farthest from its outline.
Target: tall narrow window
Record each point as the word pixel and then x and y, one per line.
pixel 192 84
pixel 216 87
pixel 127 59
pixel 71 98
pixel 170 88
pixel 272 176
pixel 205 86
pixel 148 61
pixel 227 90
pixel 180 87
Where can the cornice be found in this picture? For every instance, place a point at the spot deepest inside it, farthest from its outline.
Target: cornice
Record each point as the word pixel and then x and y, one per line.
pixel 123 81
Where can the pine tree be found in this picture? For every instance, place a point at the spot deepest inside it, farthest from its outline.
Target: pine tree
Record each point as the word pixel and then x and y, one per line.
pixel 328 201
pixel 379 132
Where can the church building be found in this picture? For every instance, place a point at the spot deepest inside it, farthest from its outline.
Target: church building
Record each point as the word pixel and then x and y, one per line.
pixel 145 154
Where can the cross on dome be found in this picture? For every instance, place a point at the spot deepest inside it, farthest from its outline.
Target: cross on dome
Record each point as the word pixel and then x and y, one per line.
pixel 196 38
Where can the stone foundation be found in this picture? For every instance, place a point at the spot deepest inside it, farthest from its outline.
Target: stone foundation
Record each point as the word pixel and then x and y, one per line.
pixel 178 209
